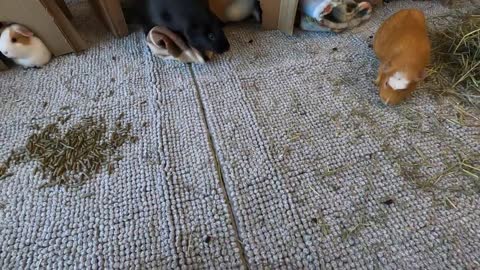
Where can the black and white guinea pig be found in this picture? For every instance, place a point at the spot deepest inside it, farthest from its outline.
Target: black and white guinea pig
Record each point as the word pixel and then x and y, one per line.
pixel 193 19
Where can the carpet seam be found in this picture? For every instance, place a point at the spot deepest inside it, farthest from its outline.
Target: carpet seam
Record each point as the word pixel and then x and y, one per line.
pixel 218 168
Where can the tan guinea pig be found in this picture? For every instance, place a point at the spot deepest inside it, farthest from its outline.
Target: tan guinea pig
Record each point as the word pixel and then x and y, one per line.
pixel 232 10
pixel 403 47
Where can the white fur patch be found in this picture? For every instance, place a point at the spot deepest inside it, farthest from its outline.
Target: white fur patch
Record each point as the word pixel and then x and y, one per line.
pixel 398 81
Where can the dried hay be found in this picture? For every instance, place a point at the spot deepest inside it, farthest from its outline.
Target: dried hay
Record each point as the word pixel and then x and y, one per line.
pixel 455 67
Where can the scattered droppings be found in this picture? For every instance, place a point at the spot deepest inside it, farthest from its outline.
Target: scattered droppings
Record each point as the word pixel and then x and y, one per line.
pixel 45 104
pixel 369 45
pixel 63 119
pixel 120 116
pixel 335 49
pixel 3 170
pixel 35 126
pixel 110 169
pixel 250 41
pixel 14 158
pixel 114 58
pixel 207 239
pixel 145 124
pixel 388 201
pixel 370 37
pixel 88 195
pixel 314 220
pixel 5 176
pixel 134 139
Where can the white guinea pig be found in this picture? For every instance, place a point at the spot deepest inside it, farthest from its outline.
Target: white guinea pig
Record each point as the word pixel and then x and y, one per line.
pixel 19 44
pixel 240 9
pixel 234 10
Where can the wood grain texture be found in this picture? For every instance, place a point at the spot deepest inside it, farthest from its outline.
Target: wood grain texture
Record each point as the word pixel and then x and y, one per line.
pixel 61 4
pixel 287 13
pixel 68 30
pixel 110 11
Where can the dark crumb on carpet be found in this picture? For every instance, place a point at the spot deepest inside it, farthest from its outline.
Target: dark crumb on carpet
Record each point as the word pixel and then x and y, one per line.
pixel 335 49
pixel 120 116
pixel 388 201
pixel 3 170
pixel 86 196
pixel 208 239
pixel 250 41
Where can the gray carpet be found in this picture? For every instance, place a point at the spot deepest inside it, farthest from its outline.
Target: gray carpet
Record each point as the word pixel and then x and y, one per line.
pixel 275 155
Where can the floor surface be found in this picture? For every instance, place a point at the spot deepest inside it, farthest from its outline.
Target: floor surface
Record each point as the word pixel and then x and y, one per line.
pixel 278 154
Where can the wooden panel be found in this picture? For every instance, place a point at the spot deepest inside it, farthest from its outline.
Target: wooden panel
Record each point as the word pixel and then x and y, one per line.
pixel 61 4
pixel 270 13
pixel 34 15
pixel 288 11
pixel 110 11
pixel 65 25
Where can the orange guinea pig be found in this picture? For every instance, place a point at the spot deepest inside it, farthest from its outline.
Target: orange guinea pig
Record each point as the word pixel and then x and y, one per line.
pixel 403 48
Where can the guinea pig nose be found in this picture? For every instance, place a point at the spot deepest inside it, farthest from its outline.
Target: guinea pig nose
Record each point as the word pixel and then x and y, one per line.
pixel 5 53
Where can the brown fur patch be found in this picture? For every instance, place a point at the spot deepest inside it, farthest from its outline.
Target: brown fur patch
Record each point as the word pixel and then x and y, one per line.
pixel 401 44
pixel 218 7
pixel 20 38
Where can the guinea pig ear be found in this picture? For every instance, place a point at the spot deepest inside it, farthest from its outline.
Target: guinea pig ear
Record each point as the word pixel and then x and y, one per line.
pixel 22 30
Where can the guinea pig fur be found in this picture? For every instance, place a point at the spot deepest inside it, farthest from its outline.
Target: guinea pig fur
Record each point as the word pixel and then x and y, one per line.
pixel 19 44
pixel 403 47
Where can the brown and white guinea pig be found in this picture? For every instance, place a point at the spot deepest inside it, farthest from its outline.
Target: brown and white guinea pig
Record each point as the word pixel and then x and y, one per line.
pixel 403 47
pixel 19 44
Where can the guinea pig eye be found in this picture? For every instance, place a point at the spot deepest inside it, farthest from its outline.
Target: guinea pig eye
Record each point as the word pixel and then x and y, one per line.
pixel 14 40
pixel 211 36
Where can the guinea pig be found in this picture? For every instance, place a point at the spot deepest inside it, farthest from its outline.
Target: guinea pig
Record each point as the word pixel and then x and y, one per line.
pixel 193 19
pixel 403 47
pixel 235 10
pixel 19 44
